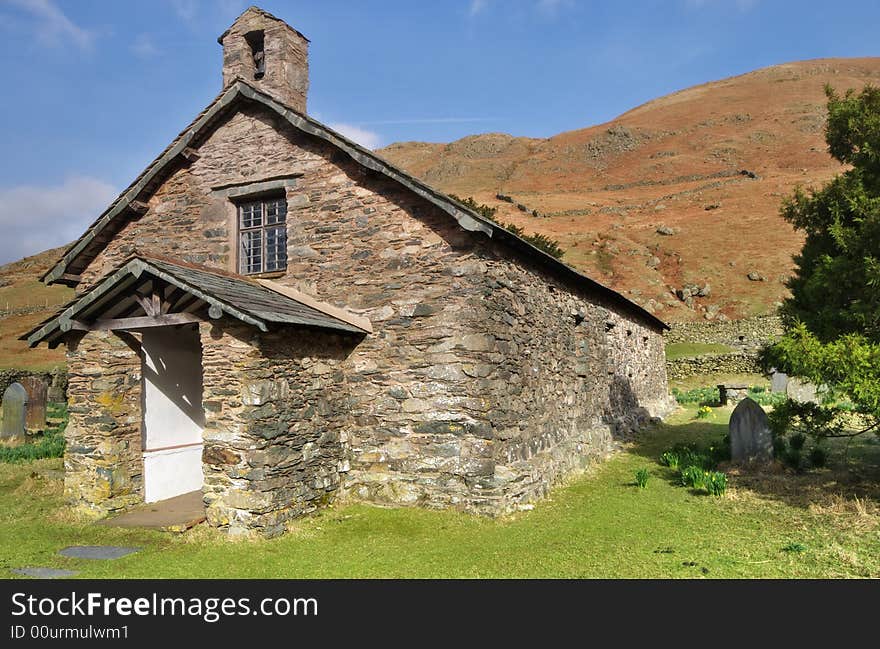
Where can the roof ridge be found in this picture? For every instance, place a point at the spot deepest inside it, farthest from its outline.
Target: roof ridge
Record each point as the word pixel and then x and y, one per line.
pixel 467 219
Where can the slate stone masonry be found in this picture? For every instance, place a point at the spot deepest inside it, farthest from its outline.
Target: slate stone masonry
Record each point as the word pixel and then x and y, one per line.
pixel 103 463
pixel 486 379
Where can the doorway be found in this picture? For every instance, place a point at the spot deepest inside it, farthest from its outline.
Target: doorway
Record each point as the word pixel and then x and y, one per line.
pixel 173 416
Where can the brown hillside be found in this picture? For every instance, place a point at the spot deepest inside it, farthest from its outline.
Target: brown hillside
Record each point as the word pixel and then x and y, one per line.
pixel 24 302
pixel 676 161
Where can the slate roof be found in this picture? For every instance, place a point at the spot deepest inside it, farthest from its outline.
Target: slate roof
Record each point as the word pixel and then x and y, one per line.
pixel 83 250
pixel 235 296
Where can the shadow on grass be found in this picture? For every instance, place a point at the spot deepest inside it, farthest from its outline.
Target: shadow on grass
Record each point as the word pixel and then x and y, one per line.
pixel 849 483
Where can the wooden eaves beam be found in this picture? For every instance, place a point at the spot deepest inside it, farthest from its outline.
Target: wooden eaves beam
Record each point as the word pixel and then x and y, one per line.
pixel 138 322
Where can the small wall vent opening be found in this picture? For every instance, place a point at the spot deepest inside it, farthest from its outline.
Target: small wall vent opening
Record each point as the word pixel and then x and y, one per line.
pixel 256 41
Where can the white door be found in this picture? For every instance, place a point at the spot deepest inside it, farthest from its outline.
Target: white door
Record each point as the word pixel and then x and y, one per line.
pixel 173 415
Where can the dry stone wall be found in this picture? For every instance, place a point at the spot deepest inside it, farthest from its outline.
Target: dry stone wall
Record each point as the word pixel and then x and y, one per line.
pixel 733 363
pixel 746 336
pixel 747 333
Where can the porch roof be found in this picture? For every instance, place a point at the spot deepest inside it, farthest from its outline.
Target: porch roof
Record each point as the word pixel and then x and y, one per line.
pixel 149 291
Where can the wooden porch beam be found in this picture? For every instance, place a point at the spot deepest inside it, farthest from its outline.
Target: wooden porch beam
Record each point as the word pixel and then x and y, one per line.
pixel 145 302
pixel 141 322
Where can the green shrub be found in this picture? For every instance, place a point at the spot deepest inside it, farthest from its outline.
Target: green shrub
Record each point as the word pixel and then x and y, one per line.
pixel 670 459
pixel 693 476
pixel 796 441
pixel 794 547
pixel 779 446
pixel 763 397
pixel 716 483
pixel 704 396
pixel 540 241
pixel 818 457
pixel 642 476
pixel 51 444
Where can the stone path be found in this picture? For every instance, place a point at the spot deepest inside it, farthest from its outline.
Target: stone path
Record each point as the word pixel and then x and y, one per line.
pixel 45 573
pixel 176 514
pixel 97 551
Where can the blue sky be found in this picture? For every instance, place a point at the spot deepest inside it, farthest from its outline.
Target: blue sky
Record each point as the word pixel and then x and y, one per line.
pixel 94 89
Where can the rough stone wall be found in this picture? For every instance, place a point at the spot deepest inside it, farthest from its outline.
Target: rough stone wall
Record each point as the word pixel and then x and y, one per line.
pixel 103 461
pixel 734 363
pixel 748 333
pixel 566 378
pixel 477 389
pixel 286 55
pixel 276 411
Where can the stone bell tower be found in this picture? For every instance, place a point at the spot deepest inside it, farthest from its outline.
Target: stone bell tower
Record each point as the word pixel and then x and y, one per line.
pixel 269 54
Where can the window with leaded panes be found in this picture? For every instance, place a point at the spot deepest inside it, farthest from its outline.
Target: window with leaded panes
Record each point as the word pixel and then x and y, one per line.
pixel 262 227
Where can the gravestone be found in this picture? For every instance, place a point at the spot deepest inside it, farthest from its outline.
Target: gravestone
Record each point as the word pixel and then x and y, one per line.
pixel 35 413
pixel 778 381
pixel 12 415
pixel 801 391
pixel 56 394
pixel 750 437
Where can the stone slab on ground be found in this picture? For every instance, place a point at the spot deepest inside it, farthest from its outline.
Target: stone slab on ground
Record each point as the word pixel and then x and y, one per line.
pixel 97 551
pixel 175 514
pixel 44 573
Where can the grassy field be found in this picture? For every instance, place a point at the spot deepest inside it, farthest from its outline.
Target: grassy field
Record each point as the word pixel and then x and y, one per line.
pixel 598 525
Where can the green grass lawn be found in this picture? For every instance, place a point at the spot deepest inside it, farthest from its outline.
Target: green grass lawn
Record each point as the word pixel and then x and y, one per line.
pixel 597 525
pixel 689 350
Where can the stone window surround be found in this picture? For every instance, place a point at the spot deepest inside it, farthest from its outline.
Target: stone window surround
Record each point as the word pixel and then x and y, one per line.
pixel 237 193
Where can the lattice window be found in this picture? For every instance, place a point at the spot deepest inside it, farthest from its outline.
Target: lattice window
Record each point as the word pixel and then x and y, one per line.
pixel 262 236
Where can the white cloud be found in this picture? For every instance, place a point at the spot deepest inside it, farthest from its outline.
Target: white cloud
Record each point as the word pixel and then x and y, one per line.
pixel 478 7
pixel 143 47
pixel 185 9
pixel 53 27
pixel 35 218
pixel 362 136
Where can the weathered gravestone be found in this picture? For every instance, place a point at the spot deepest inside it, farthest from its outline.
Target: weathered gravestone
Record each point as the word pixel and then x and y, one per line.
pixel 56 393
pixel 35 413
pixel 12 415
pixel 750 437
pixel 778 381
pixel 801 391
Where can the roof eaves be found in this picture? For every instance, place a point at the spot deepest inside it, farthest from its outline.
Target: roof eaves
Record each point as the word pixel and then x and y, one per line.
pixel 466 218
pixel 134 267
pixel 132 191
